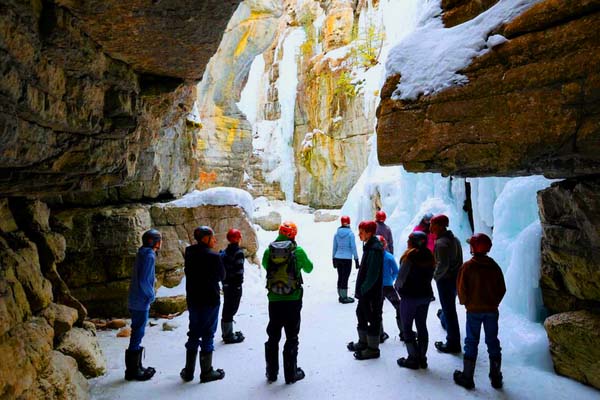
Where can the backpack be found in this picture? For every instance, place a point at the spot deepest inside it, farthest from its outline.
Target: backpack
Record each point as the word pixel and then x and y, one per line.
pixel 282 275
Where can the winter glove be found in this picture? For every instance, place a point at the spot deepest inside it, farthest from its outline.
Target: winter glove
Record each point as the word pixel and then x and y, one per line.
pixel 356 263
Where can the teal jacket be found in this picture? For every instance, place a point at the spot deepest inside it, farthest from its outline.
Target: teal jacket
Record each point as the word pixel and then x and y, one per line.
pixel 302 264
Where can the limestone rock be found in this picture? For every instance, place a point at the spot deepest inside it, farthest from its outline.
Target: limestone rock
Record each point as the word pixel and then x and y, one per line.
pixel 322 216
pixel 574 338
pixel 169 305
pixel 60 381
pixel 84 348
pixel 338 25
pixel 570 216
pixel 26 352
pixel 529 106
pixel 269 222
pixel 60 317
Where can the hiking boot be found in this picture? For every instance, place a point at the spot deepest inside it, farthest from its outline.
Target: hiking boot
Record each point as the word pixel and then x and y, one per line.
pixel 372 350
pixel 343 297
pixel 412 362
pixel 228 335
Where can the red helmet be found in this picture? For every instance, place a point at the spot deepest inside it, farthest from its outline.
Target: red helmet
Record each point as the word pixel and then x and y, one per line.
pixel 480 243
pixel 234 235
pixel 368 226
pixel 345 220
pixel 383 241
pixel 289 229
pixel 380 216
pixel 440 220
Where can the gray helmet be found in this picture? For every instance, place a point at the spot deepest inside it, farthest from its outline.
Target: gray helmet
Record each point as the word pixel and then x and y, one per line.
pixel 203 231
pixel 151 237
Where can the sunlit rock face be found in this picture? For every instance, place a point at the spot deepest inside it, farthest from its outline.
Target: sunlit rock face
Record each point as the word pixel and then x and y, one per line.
pixel 530 106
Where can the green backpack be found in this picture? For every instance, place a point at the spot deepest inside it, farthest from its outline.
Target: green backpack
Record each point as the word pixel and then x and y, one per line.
pixel 282 275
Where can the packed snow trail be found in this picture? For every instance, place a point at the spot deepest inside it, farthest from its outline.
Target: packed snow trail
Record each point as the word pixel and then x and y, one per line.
pixel 331 371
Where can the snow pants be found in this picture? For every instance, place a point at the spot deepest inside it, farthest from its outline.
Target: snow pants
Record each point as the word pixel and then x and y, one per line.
pixel 415 309
pixel 286 315
pixel 490 326
pixel 139 320
pixel 231 301
pixel 368 314
pixel 203 325
pixel 343 267
pixel 447 295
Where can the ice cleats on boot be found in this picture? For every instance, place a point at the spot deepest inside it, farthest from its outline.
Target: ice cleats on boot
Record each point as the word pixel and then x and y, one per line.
pixel 412 362
pixel 464 378
pixel 207 372
pixel 236 337
pixel 446 348
pixel 187 373
pixel 361 344
pixel 372 350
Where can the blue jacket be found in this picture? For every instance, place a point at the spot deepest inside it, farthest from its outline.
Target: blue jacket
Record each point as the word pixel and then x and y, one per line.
pixel 344 245
pixel 141 289
pixel 390 269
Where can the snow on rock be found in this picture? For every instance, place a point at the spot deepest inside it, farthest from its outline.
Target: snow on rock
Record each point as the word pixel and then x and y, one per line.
pixel 428 60
pixel 218 196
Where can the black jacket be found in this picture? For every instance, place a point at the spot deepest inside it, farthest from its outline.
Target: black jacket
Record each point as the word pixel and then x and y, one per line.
pixel 233 260
pixel 203 272
pixel 448 256
pixel 369 280
pixel 416 273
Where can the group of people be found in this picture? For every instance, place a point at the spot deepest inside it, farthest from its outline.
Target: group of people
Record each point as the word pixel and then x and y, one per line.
pixel 433 253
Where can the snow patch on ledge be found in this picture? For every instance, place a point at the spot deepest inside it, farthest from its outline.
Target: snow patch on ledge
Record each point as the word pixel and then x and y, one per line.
pixel 218 196
pixel 428 60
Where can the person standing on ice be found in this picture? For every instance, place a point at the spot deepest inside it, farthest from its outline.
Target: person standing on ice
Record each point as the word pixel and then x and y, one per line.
pixel 481 288
pixel 384 230
pixel 284 261
pixel 423 226
pixel 344 250
pixel 203 271
pixel 233 260
pixel 141 295
pixel 414 285
pixel 369 291
pixel 390 272
pixel 448 260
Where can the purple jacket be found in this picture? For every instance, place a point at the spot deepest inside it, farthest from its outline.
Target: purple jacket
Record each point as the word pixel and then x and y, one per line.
pixel 386 232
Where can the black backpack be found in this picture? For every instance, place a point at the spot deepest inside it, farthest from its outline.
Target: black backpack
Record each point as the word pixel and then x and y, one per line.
pixel 282 275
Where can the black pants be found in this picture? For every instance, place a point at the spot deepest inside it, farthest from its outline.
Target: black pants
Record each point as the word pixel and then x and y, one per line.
pixel 231 301
pixel 343 267
pixel 415 309
pixel 447 295
pixel 391 295
pixel 368 314
pixel 286 315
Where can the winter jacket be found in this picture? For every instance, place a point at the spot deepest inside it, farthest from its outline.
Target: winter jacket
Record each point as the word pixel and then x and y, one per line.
pixel 386 232
pixel 302 264
pixel 344 244
pixel 203 271
pixel 390 268
pixel 141 288
pixel 480 285
pixel 369 280
pixel 416 273
pixel 448 256
pixel 431 237
pixel 233 261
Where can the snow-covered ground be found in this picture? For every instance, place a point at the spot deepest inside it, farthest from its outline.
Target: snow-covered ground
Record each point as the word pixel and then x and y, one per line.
pixel 331 371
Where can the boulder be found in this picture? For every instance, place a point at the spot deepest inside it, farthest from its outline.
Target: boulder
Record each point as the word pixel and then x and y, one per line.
pixel 323 216
pixel 83 346
pixel 124 332
pixel 60 381
pixel 169 305
pixel 574 338
pixel 60 317
pixel 269 222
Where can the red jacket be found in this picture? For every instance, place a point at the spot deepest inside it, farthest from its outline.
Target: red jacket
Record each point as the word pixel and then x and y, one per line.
pixel 480 284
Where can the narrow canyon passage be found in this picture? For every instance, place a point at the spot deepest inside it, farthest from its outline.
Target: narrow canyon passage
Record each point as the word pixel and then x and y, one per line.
pixel 331 371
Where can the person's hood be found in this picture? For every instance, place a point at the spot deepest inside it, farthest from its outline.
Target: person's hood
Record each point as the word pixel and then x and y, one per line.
pixel 344 231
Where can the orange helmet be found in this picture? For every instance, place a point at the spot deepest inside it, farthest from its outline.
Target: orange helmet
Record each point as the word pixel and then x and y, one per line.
pixel 289 229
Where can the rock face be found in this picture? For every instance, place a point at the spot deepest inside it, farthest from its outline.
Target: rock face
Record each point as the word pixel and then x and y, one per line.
pixel 570 216
pixel 530 107
pixel 574 338
pixel 458 11
pixel 83 346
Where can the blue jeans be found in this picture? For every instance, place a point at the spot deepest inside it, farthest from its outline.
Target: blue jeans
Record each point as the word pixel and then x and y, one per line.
pixel 139 320
pixel 447 294
pixel 490 326
pixel 203 325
